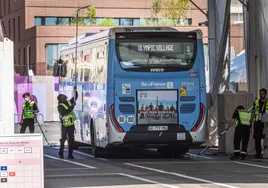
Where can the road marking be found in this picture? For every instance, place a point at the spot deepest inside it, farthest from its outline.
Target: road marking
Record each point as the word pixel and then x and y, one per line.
pixel 75 163
pixel 88 155
pixel 181 175
pixel 59 169
pixel 147 180
pixel 198 156
pixel 186 162
pixel 85 154
pixel 113 174
pixel 80 175
pixel 249 164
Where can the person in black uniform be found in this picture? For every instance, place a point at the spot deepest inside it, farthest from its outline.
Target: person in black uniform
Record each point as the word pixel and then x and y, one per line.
pixel 29 108
pixel 260 106
pixel 67 117
pixel 241 119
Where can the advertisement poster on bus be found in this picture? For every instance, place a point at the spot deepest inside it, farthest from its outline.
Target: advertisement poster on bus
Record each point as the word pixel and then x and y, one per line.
pixel 157 107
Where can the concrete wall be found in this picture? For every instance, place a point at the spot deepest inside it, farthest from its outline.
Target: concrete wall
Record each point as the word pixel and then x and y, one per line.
pixel 257 40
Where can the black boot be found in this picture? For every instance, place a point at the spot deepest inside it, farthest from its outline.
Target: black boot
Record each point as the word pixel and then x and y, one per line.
pixel 61 154
pixel 243 156
pixel 235 156
pixel 70 156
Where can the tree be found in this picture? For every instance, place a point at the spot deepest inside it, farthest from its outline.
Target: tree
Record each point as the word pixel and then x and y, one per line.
pixel 85 20
pixel 91 14
pixel 107 22
pixel 175 9
pixel 156 7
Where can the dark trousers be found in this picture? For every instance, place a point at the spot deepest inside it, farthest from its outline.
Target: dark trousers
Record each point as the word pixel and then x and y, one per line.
pixel 258 136
pixel 241 133
pixel 67 131
pixel 27 123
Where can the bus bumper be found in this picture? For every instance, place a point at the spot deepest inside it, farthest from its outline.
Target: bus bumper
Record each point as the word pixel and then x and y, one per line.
pixel 158 139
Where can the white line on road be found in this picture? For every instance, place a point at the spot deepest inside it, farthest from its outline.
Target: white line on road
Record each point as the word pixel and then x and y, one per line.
pixel 112 174
pixel 147 180
pixel 75 163
pixel 80 175
pixel 88 155
pixel 181 175
pixel 59 169
pixel 184 162
pixel 249 164
pixel 198 156
pixel 85 154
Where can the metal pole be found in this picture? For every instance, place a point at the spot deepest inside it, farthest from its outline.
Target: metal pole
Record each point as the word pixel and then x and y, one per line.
pixel 76 34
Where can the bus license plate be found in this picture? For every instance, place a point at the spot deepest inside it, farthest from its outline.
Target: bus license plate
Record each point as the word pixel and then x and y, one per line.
pixel 181 136
pixel 157 128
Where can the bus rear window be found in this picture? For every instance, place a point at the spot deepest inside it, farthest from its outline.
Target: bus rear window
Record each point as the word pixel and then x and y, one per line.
pixel 169 55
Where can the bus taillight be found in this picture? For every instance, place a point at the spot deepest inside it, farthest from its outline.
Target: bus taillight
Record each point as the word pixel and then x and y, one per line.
pixel 114 121
pixel 201 115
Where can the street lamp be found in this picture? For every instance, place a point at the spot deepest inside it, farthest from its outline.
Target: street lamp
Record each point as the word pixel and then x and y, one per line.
pixel 76 35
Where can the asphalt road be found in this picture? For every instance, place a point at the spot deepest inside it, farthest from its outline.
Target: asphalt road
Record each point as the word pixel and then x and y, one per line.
pixel 146 168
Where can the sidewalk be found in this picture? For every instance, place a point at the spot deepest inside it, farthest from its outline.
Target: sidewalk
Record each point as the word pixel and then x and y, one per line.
pixel 50 129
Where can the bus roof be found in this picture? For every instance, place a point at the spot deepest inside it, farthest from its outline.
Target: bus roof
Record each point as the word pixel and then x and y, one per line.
pixel 110 33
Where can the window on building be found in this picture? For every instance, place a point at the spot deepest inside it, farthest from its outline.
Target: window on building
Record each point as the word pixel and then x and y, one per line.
pixel 14 29
pixel 29 63
pixel 136 22
pixel 63 21
pixel 19 28
pixel 24 61
pixel 50 21
pixel 99 20
pixel 116 21
pixel 9 28
pixel 52 55
pixel 37 21
pixel 188 21
pixel 8 5
pixel 126 21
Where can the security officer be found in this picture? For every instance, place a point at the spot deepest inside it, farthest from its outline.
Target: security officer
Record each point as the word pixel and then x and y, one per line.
pixel 260 106
pixel 67 117
pixel 29 108
pixel 241 118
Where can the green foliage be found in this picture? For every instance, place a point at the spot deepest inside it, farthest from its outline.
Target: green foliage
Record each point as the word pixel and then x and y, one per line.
pixel 156 7
pixel 88 19
pixel 175 9
pixel 107 22
pixel 91 12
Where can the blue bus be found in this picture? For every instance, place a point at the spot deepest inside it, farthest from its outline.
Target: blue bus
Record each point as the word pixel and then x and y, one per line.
pixel 141 87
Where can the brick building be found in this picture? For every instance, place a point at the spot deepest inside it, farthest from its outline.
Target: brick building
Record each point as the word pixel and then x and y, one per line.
pixel 39 28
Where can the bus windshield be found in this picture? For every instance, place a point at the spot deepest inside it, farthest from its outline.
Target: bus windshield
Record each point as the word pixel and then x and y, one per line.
pixel 138 55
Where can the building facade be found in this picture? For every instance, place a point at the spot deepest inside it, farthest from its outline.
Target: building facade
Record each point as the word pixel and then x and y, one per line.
pixel 39 28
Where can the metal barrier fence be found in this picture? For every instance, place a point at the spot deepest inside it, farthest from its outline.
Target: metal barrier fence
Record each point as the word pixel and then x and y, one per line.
pixel 39 118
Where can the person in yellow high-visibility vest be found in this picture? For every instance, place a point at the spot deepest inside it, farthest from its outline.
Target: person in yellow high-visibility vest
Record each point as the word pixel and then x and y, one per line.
pixel 241 119
pixel 67 117
pixel 29 109
pixel 260 106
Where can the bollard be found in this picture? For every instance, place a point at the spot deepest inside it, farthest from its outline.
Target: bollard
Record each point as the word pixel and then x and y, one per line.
pixel 265 132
